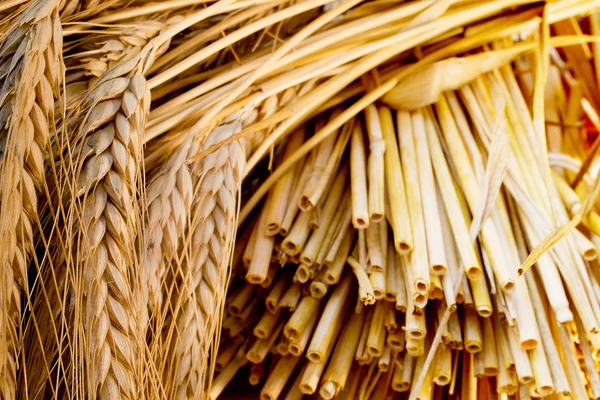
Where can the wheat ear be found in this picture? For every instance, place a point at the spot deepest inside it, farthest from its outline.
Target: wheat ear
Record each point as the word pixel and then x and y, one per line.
pixel 202 276
pixel 169 199
pixel 31 61
pixel 112 319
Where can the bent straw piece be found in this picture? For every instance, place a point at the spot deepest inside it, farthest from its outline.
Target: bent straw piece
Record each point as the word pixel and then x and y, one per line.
pixel 386 358
pixel 396 193
pixel 358 181
pixel 332 315
pixel 419 264
pixel 435 242
pixel 278 377
pixel 301 317
pixel 365 291
pixel 263 250
pixel 335 377
pixel 282 191
pixel 451 202
pixel 426 86
pixel 375 164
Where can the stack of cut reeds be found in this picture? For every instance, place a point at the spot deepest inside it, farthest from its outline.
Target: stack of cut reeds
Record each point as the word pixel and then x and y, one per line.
pixel 348 199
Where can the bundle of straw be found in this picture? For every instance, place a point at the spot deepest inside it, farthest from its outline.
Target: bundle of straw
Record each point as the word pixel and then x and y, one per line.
pixel 336 199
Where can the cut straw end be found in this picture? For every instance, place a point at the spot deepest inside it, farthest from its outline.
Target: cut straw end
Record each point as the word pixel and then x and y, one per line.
pixel 255 279
pixel 328 390
pixel 484 311
pixel 360 223
pixel 403 247
pixel 439 269
pixel 473 272
pixel 473 347
pixel 302 273
pixel 315 356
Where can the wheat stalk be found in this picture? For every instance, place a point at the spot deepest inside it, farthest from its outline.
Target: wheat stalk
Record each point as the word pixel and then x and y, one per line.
pixel 169 198
pixel 105 213
pixel 30 56
pixel 202 277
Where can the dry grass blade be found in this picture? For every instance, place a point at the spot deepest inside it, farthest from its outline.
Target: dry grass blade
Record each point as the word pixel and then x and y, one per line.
pixel 494 175
pixel 31 73
pixel 201 280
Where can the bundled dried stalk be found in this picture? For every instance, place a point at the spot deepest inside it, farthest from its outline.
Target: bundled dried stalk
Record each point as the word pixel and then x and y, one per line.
pixel 31 78
pixel 411 168
pixel 200 276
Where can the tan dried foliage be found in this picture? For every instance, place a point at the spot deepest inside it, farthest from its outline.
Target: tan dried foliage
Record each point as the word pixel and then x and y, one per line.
pixel 30 75
pixel 105 218
pixel 201 277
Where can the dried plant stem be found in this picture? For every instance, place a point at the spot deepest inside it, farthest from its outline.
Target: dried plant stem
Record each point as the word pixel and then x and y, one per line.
pixel 375 165
pixel 336 375
pixel 396 192
pixel 358 182
pixel 202 278
pixel 332 315
pixel 31 58
pixel 283 189
pixel 169 198
pixel 418 260
pixel 489 236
